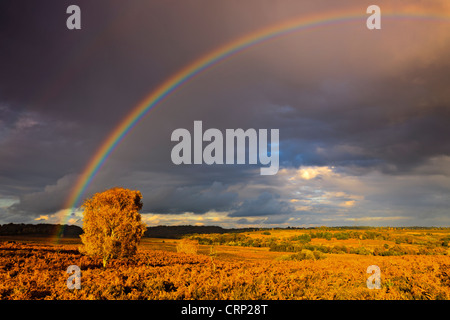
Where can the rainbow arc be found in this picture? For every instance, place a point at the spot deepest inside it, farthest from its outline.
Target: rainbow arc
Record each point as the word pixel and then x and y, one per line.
pixel 206 62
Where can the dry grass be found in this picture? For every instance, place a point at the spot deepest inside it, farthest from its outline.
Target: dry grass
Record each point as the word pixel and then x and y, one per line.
pixel 37 270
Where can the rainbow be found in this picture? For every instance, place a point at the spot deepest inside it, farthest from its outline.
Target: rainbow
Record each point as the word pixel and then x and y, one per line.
pixel 204 63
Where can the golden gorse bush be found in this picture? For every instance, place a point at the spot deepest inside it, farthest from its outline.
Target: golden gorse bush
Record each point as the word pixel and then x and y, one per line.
pixel 187 246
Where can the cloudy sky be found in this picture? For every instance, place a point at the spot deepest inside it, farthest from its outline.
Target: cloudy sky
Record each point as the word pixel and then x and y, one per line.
pixel 363 116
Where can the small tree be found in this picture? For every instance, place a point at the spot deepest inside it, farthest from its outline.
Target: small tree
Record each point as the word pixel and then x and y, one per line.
pixel 112 224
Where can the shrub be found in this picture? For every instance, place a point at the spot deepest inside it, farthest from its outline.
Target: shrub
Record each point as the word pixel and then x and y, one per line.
pixel 187 246
pixel 304 238
pixel 319 255
pixel 339 249
pixel 305 254
pixel 361 250
pixel 342 236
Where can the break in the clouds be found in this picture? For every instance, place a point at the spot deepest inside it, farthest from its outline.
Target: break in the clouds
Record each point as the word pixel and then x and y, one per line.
pixel 363 116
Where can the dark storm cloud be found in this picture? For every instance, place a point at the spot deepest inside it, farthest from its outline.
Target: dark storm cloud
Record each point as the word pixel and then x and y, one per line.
pixel 51 199
pixel 195 199
pixel 80 84
pixel 266 204
pixel 393 121
pixel 339 96
pixel 62 91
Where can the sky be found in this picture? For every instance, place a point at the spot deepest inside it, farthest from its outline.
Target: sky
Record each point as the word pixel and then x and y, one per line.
pixel 363 115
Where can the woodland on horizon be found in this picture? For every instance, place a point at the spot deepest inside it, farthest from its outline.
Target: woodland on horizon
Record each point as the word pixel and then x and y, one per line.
pixel 163 231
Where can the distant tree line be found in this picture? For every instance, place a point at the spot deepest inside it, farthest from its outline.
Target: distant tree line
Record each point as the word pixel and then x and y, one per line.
pixel 42 229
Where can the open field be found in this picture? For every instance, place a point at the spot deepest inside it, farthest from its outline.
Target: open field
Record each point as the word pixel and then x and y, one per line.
pixel 414 264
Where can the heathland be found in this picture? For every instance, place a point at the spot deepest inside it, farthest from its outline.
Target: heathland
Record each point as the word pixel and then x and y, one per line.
pixel 315 263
